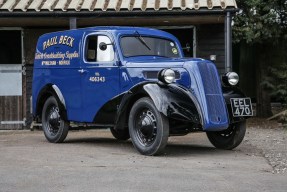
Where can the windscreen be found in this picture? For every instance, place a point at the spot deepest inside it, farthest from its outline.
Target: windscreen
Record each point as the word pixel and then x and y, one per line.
pixel 148 46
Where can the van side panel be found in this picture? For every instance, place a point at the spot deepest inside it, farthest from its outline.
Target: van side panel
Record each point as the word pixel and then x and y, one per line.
pixel 57 62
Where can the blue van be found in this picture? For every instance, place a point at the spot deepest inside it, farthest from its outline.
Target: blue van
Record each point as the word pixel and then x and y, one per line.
pixel 136 82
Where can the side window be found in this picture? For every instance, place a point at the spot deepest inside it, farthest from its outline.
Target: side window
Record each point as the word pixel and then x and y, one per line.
pixel 93 51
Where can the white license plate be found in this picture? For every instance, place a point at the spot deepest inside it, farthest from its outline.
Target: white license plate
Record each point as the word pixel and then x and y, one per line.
pixel 241 107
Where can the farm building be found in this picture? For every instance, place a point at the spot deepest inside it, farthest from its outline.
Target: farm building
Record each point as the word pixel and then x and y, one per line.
pixel 202 26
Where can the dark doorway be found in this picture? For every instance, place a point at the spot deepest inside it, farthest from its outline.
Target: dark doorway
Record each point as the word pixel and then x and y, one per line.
pixel 10 47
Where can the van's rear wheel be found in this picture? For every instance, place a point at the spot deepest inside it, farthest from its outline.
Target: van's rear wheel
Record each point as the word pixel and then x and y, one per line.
pixel 149 129
pixel 229 138
pixel 54 127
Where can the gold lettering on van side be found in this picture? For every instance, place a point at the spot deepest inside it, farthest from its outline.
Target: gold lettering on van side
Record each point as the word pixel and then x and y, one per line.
pixel 50 42
pixel 64 40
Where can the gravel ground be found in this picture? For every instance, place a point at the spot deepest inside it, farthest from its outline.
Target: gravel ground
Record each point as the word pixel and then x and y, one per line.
pixel 270 140
pixel 94 161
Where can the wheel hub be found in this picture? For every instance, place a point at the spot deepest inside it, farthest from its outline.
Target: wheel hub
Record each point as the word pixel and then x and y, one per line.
pixel 146 127
pixel 228 132
pixel 54 120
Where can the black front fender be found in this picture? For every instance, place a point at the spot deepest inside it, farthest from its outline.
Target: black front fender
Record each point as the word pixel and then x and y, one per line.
pixel 174 102
pixel 171 100
pixel 232 92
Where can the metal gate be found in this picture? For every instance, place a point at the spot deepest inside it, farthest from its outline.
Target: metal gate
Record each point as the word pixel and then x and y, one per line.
pixel 11 93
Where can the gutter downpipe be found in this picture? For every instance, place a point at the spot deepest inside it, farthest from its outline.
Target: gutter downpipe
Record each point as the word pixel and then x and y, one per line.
pixel 228 41
pixel 73 22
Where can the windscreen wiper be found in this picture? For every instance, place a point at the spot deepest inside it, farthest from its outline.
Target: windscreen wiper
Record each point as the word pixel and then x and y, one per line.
pixel 139 37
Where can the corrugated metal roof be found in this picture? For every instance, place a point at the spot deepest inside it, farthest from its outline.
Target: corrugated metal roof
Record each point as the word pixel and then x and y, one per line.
pixel 112 5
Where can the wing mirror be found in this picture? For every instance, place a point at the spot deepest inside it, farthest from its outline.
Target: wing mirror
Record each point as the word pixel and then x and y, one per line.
pixel 103 46
pixel 187 47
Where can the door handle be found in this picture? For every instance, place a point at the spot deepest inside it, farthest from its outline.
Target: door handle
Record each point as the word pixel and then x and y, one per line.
pixel 82 71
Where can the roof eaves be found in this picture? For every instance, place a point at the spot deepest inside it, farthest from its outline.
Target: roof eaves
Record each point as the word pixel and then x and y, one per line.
pixel 114 5
pixel 109 13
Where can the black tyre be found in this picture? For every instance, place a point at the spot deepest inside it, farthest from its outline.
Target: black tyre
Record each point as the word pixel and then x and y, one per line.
pixel 54 127
pixel 229 138
pixel 149 129
pixel 120 134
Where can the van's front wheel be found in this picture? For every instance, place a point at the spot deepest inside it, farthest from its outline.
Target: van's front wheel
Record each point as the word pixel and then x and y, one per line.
pixel 149 129
pixel 54 127
pixel 229 138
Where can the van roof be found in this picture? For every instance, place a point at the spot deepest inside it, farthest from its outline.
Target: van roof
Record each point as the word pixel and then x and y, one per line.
pixel 116 30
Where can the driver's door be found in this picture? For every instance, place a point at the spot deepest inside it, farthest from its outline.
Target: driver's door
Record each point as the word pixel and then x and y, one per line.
pixel 100 74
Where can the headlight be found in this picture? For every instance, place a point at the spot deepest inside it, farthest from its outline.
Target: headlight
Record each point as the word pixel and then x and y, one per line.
pixel 166 76
pixel 230 78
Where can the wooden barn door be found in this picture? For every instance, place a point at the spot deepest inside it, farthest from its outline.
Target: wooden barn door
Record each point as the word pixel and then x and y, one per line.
pixel 11 93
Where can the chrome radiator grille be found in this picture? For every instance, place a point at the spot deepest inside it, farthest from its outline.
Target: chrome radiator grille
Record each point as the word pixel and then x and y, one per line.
pixel 210 78
pixel 213 93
